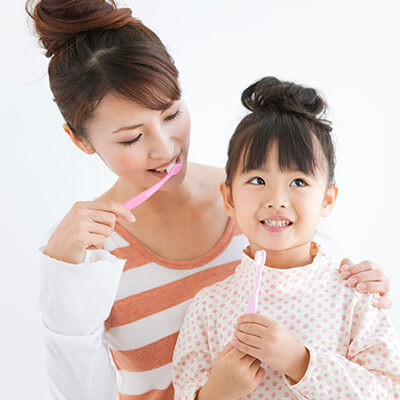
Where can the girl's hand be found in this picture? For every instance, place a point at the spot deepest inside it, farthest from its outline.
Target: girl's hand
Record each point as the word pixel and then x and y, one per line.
pixel 271 343
pixel 86 226
pixel 367 277
pixel 233 375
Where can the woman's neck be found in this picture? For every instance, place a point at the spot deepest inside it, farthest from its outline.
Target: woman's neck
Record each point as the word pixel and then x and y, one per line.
pixel 163 202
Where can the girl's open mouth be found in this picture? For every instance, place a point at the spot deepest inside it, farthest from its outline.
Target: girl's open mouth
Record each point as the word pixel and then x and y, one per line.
pixel 276 224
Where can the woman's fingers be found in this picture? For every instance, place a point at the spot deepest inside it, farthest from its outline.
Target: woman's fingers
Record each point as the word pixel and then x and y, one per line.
pixel 372 287
pixel 383 302
pixel 113 207
pixel 96 241
pixel 348 269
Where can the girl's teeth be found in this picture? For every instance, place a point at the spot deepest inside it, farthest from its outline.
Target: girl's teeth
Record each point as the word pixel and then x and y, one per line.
pixel 278 223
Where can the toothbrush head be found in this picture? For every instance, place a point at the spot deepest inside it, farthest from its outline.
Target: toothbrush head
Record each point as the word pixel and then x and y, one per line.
pixel 175 169
pixel 260 257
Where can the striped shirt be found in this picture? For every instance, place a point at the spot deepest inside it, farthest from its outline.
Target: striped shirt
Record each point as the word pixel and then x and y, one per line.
pixel 141 317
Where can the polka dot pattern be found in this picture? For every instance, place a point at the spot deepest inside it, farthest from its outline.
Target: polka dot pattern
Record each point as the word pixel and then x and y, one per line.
pixel 354 350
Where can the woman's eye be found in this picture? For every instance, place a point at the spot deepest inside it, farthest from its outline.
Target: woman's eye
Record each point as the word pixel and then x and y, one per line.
pixel 298 182
pixel 172 116
pixel 257 181
pixel 134 140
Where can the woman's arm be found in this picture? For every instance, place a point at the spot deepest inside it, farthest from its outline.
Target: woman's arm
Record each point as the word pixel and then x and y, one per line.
pixel 367 277
pixel 75 301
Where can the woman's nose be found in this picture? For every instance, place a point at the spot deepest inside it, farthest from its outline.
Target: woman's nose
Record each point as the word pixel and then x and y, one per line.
pixel 161 145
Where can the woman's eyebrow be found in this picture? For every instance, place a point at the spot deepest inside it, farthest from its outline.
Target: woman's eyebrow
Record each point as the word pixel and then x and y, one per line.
pixel 125 128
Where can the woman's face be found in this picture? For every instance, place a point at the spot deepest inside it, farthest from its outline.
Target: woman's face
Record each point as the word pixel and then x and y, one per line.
pixel 138 143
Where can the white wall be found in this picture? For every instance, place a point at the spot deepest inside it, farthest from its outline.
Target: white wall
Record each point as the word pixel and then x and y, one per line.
pixel 347 49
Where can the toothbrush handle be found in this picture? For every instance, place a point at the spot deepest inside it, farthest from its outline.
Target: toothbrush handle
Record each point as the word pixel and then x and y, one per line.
pixel 252 307
pixel 142 197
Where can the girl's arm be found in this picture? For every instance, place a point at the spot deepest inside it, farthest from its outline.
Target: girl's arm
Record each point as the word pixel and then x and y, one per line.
pixel 367 277
pixel 197 375
pixel 75 301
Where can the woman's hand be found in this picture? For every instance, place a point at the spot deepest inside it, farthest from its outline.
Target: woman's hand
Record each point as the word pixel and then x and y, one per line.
pixel 86 226
pixel 367 277
pixel 270 342
pixel 233 375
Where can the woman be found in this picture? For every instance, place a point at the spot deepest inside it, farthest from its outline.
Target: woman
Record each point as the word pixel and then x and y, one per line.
pixel 122 288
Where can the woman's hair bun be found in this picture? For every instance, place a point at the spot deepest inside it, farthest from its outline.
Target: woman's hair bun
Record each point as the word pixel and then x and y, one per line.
pixel 58 21
pixel 270 93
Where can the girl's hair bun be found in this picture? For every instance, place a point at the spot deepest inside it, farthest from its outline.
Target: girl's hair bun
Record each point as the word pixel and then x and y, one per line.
pixel 270 93
pixel 58 21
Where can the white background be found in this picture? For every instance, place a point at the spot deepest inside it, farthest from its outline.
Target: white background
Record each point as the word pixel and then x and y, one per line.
pixel 347 49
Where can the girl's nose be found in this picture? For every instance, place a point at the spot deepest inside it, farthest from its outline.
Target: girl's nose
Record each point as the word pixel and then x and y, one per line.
pixel 277 200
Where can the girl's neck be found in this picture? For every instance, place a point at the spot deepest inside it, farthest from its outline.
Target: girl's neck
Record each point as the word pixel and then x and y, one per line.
pixel 289 258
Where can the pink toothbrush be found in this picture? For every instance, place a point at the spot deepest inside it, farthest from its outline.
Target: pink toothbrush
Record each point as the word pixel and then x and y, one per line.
pixel 142 197
pixel 260 261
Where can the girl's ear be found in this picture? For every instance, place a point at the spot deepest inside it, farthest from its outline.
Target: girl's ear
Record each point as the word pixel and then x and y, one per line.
pixel 81 143
pixel 329 200
pixel 227 197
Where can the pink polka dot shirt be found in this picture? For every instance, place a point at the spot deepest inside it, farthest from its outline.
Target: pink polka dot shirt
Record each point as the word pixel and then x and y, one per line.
pixel 354 350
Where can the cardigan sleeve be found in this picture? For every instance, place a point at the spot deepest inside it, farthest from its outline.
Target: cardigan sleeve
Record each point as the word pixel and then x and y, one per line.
pixel 369 371
pixel 75 301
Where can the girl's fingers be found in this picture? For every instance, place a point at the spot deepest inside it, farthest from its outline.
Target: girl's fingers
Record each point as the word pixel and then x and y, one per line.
pixel 250 328
pixel 227 349
pixel 254 366
pixel 244 348
pixel 250 340
pixel 260 374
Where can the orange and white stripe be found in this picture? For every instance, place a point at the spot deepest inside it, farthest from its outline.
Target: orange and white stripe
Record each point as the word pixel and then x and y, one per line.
pixel 150 306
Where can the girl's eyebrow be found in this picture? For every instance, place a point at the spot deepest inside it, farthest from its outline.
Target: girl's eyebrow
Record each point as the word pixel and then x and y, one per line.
pixel 125 128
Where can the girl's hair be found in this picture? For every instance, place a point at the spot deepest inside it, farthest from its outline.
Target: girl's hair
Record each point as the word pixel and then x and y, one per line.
pixel 95 49
pixel 289 114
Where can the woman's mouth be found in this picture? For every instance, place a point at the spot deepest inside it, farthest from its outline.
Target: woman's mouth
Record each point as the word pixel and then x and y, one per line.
pixel 163 170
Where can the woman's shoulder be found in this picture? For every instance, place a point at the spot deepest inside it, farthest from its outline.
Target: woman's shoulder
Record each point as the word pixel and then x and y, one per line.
pixel 208 173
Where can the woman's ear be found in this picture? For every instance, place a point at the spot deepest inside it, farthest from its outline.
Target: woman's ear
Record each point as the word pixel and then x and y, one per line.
pixel 329 200
pixel 81 143
pixel 227 197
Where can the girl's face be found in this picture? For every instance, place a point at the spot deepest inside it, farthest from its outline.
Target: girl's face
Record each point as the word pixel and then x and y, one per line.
pixel 278 210
pixel 138 143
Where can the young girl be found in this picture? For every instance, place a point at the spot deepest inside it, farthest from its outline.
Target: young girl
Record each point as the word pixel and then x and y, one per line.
pixel 122 288
pixel 312 337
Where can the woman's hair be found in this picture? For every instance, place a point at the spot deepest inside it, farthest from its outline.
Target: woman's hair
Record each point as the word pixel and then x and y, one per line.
pixel 95 49
pixel 288 114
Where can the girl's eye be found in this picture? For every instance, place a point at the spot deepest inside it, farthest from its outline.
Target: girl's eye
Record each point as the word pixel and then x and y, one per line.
pixel 257 181
pixel 298 182
pixel 134 140
pixel 173 116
